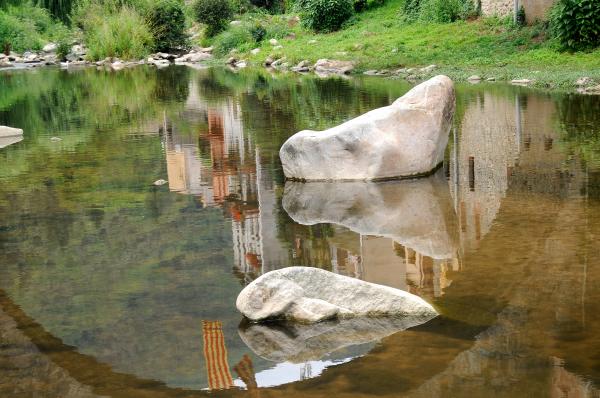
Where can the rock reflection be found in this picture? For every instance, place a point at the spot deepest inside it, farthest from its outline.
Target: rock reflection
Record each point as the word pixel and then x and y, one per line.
pixel 6 141
pixel 297 343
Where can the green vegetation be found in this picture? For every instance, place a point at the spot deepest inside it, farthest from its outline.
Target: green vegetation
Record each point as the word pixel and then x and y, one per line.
pixel 576 23
pixel 167 21
pixel 216 14
pixel 123 33
pixel 326 15
pixel 26 27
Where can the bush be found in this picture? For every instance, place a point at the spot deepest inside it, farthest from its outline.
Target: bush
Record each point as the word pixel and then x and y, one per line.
pixel 258 32
pixel 439 11
pixel 166 19
pixel 271 5
pixel 237 37
pixel 215 14
pixel 360 5
pixel 122 34
pixel 326 15
pixel 27 27
pixel 576 23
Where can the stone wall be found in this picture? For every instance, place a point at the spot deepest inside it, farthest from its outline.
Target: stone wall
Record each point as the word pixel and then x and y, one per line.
pixel 534 9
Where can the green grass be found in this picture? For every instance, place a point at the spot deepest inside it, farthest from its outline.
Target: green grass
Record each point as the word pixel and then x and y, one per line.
pixel 488 47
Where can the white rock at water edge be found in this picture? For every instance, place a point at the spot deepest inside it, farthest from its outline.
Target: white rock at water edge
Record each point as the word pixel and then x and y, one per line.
pixel 10 131
pixel 407 138
pixel 306 294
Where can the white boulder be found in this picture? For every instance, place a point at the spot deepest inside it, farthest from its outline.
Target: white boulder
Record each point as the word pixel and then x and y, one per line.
pixel 415 213
pixel 330 66
pixel 405 139
pixel 50 48
pixel 306 294
pixel 10 131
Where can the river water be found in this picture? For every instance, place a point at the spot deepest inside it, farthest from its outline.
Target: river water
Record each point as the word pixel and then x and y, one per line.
pixel 112 286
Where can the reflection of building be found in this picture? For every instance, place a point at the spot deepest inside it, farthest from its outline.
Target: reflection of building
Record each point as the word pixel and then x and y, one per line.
pixel 223 168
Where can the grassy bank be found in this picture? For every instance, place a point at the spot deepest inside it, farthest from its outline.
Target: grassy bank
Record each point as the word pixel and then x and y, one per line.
pixel 379 39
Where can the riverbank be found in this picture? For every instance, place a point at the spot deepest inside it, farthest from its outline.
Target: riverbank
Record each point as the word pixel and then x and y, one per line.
pixel 378 39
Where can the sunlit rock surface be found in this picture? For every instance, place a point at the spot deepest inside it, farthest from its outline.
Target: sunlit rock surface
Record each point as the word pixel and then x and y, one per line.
pixel 407 138
pixel 296 343
pixel 307 294
pixel 10 132
pixel 416 213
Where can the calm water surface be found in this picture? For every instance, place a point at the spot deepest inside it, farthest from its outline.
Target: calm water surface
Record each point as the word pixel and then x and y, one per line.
pixel 113 287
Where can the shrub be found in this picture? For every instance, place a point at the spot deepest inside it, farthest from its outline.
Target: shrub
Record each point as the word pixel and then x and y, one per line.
pixel 576 23
pixel 258 32
pixel 122 34
pixel 166 19
pixel 237 37
pixel 215 14
pixel 271 5
pixel 26 28
pixel 360 5
pixel 326 15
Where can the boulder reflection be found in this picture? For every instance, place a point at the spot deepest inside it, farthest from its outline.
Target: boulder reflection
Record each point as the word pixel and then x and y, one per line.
pixel 403 233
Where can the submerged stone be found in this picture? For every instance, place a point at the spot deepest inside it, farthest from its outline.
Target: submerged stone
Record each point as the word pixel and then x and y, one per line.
pixel 306 294
pixel 407 138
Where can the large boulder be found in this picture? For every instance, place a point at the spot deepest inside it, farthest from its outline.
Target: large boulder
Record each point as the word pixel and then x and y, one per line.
pixel 415 213
pixel 306 294
pixel 405 139
pixel 10 131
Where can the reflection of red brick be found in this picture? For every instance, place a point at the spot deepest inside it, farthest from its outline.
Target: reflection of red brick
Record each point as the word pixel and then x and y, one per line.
pixel 245 371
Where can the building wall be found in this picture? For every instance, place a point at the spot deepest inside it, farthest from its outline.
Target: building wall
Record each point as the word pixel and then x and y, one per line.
pixel 534 9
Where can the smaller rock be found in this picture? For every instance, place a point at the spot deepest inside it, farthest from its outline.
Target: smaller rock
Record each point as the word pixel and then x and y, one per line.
pixel 159 182
pixel 117 65
pixel 255 51
pixel 410 70
pixel 235 23
pixel 50 48
pixel 428 69
pixel 490 79
pixel 394 50
pixel 269 61
pixel 231 61
pixel 474 79
pixel 278 62
pixel 55 139
pixel 4 63
pixel 273 42
pixel 521 82
pixel 303 66
pixel 241 64
pixel 279 47
pixel 207 50
pixel 291 36
pixel 333 66
pixel 313 41
pixel 592 90
pixel 371 72
pixel 583 81
pixel 293 21
pixel 401 71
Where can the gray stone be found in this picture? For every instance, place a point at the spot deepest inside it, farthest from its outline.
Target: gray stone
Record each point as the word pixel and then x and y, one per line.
pixel 160 182
pixel 415 213
pixel 50 48
pixel 474 79
pixel 306 294
pixel 407 138
pixel 298 343
pixel 428 69
pixel 273 42
pixel 327 66
pixel 521 82
pixel 255 51
pixel 584 81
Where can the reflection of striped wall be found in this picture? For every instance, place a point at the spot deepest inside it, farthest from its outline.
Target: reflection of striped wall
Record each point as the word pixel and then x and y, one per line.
pixel 215 355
